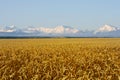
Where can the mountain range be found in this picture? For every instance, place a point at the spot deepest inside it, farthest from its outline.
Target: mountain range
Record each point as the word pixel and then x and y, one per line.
pixel 59 31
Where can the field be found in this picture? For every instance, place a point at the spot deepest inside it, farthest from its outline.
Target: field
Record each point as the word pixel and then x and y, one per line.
pixel 60 59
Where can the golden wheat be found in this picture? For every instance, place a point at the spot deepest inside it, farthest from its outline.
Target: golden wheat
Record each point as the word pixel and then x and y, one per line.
pixel 60 59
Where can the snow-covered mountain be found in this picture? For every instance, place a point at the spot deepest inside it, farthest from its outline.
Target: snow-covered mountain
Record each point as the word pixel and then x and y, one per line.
pixel 107 31
pixel 55 30
pixel 106 28
pixel 60 31
pixel 11 28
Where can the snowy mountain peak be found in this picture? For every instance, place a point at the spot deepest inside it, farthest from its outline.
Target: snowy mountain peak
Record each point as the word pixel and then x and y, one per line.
pixel 63 27
pixel 55 30
pixel 11 27
pixel 106 28
pixel 104 31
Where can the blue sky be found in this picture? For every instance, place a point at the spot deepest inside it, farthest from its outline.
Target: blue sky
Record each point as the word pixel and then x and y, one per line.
pixel 82 14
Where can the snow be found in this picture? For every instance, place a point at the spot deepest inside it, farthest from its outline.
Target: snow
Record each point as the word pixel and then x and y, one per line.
pixel 104 31
pixel 106 28
pixel 56 30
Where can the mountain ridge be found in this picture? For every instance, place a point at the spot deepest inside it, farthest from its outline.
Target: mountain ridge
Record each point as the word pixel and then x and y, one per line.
pixel 60 31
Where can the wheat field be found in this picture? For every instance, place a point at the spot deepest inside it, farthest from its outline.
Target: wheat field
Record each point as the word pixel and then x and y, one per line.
pixel 60 59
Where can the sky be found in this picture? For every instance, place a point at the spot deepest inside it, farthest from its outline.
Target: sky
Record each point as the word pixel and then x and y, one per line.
pixel 82 14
